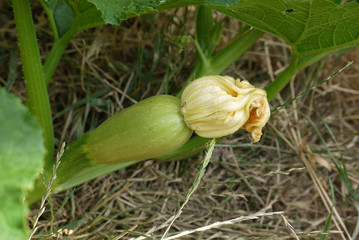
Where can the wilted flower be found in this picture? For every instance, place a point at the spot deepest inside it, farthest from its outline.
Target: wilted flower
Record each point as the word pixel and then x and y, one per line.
pixel 216 106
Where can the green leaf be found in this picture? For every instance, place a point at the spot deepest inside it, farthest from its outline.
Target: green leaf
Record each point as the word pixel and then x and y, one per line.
pixel 86 14
pixel 71 15
pixel 337 2
pixel 227 3
pixel 215 35
pixel 77 15
pixel 310 26
pixel 12 70
pixel 21 159
pixel 60 16
pixel 114 12
pixel 63 16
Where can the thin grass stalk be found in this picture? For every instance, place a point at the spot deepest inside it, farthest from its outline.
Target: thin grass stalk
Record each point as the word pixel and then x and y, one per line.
pixel 47 193
pixel 195 185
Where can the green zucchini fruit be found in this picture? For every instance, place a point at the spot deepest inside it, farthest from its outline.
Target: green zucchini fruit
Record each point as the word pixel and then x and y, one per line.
pixel 148 129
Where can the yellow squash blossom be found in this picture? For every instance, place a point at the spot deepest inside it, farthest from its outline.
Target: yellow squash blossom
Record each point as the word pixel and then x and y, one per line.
pixel 216 106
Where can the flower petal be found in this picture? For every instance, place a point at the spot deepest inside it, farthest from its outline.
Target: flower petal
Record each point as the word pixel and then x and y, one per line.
pixel 216 106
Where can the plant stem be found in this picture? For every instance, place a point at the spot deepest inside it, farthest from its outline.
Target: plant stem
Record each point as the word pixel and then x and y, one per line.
pixel 297 63
pixel 51 19
pixel 38 100
pixel 227 56
pixel 191 147
pixel 282 80
pixel 55 54
pixel 204 24
pixel 201 57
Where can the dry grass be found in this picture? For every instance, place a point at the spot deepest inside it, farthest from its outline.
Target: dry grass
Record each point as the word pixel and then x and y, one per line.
pixel 276 189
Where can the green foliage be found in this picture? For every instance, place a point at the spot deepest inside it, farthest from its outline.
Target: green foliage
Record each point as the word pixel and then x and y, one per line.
pixel 327 223
pixel 12 70
pixel 208 32
pixel 227 3
pixel 337 2
pixel 115 11
pixel 308 26
pixel 63 16
pixel 67 19
pixel 21 159
pixel 71 15
pixel 86 14
pixel 314 28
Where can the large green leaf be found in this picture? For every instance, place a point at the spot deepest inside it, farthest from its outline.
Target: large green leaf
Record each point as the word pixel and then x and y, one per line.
pixel 21 159
pixel 311 26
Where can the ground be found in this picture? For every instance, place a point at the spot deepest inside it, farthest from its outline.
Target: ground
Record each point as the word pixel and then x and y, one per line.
pixel 279 188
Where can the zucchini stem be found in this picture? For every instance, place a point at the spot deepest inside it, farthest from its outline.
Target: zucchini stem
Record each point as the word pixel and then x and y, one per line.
pixel 38 99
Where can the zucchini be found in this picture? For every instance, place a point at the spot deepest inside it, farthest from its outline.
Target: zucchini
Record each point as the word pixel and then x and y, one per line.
pixel 148 129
